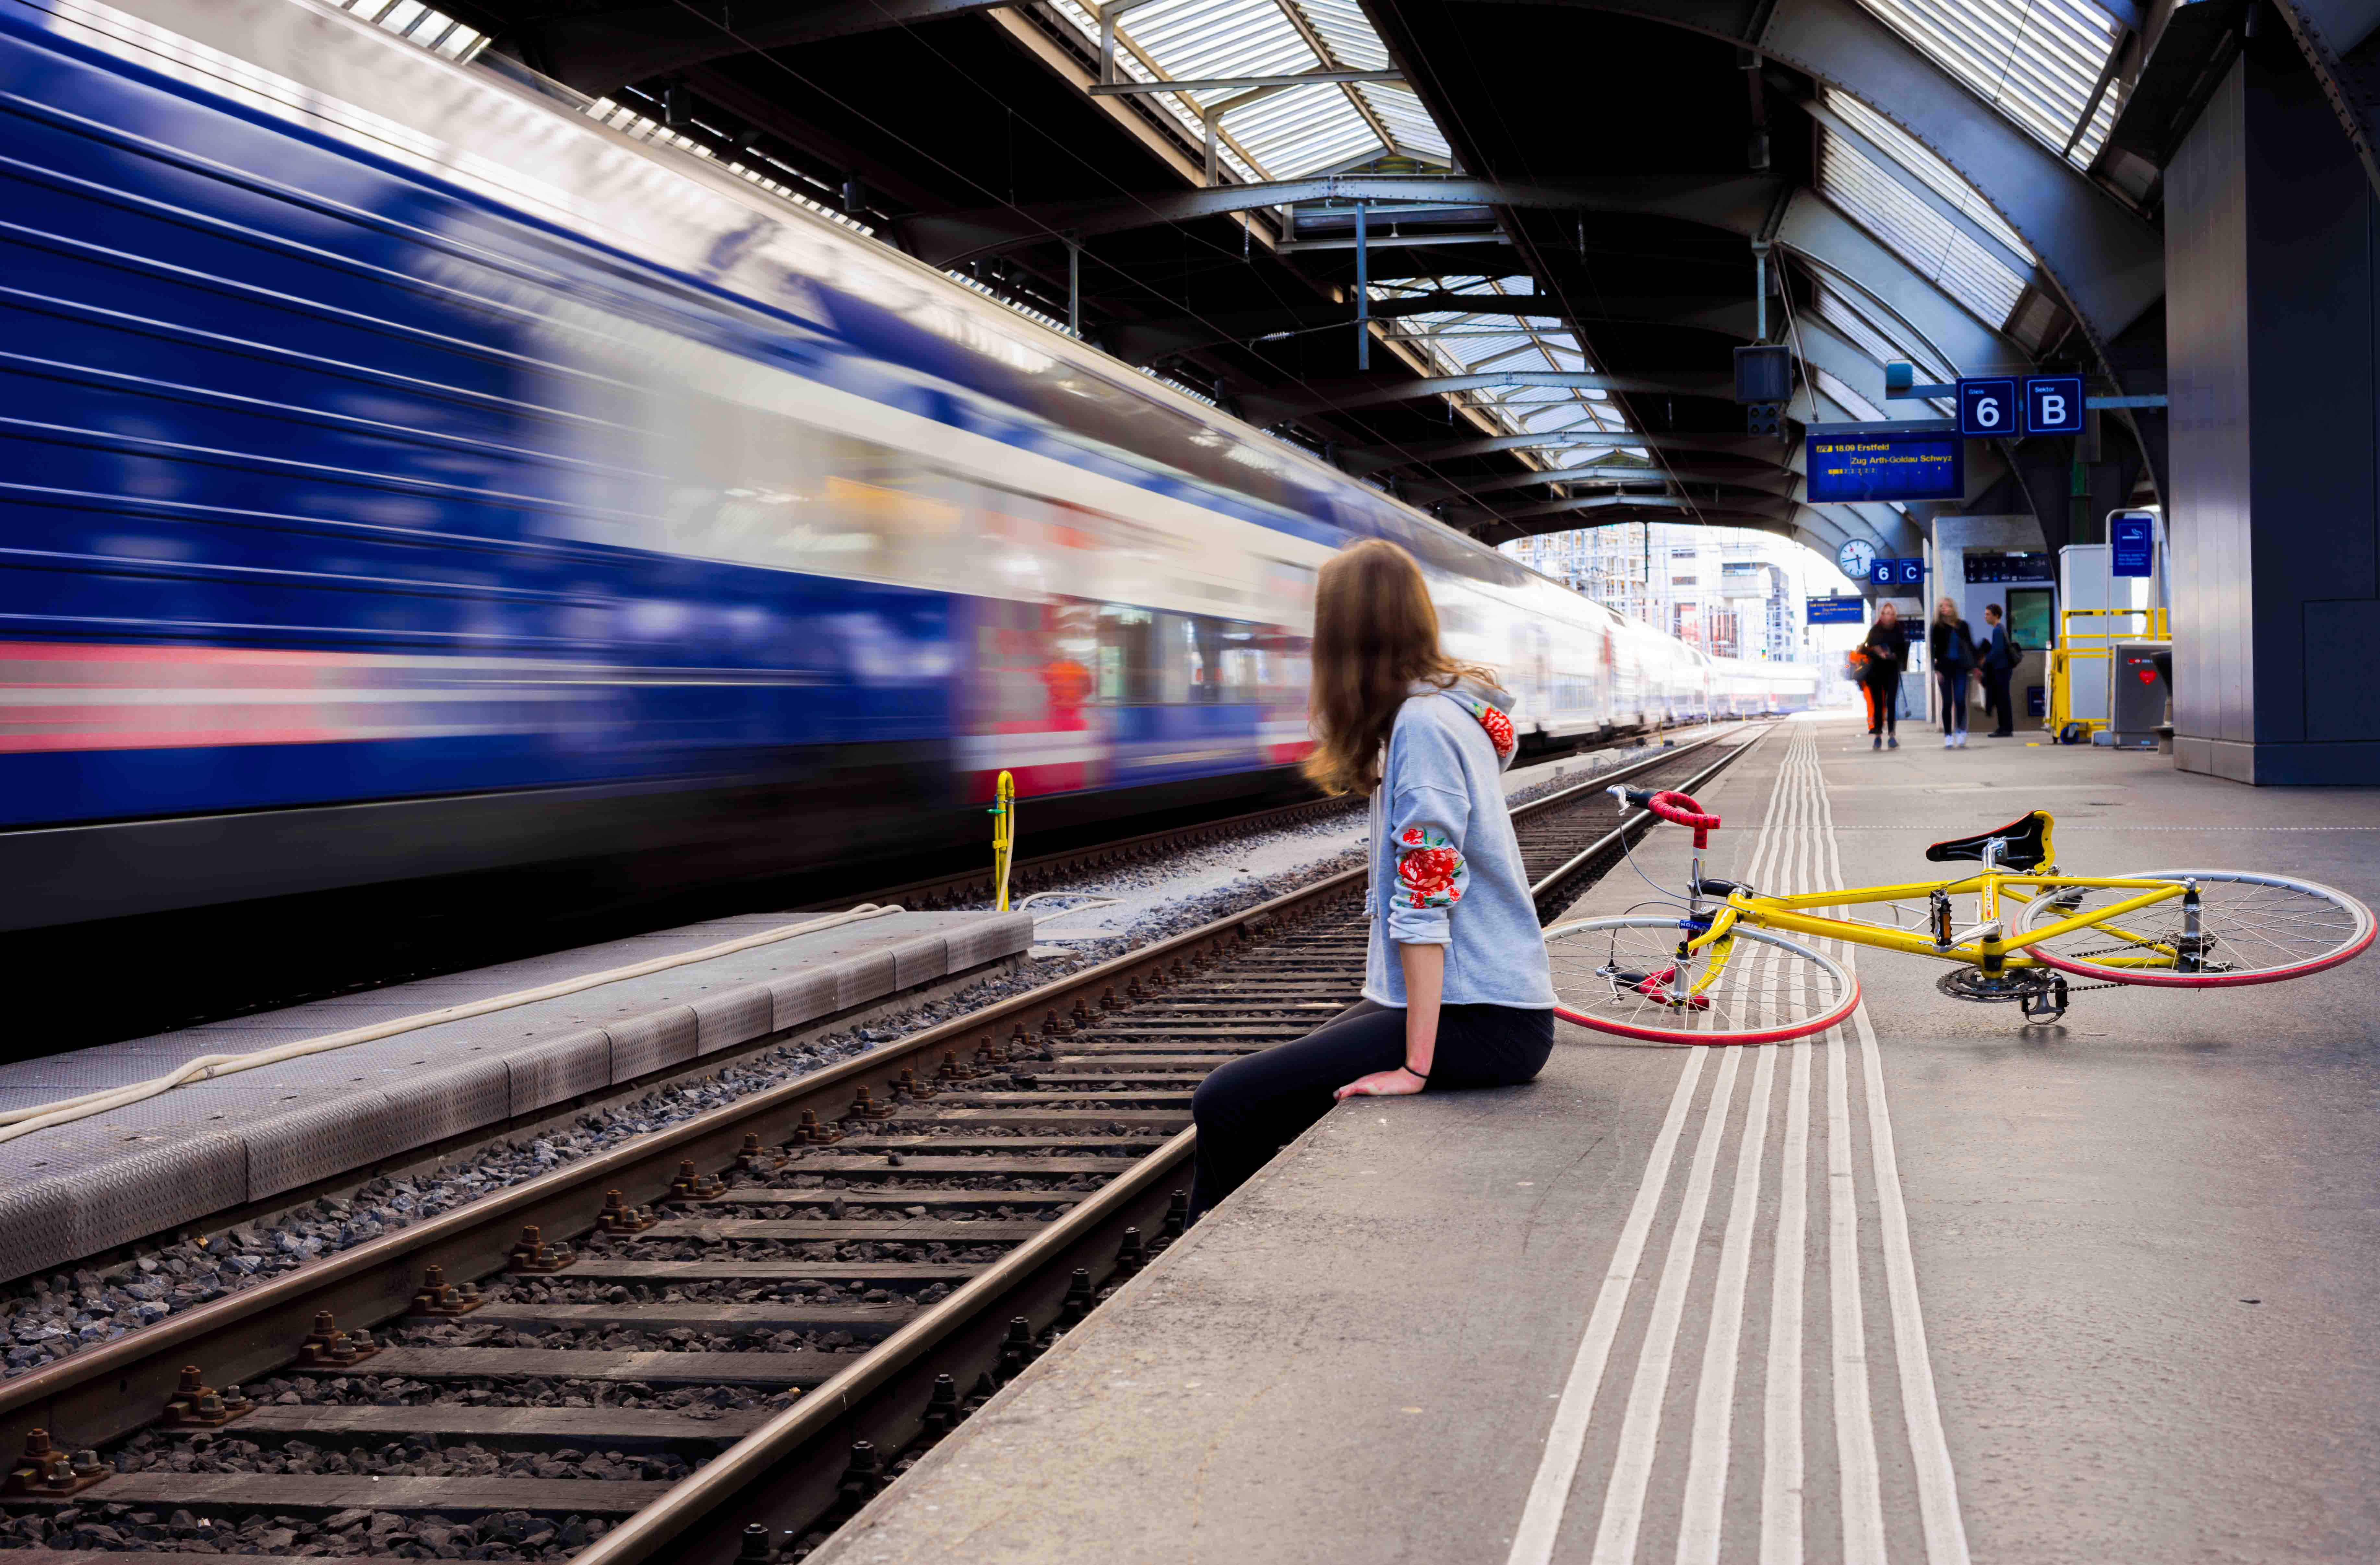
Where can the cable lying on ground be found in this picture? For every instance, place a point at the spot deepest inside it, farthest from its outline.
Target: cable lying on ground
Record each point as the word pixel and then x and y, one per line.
pixel 210 1067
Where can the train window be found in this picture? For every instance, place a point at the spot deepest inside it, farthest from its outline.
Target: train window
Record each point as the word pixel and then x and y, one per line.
pixel 1127 656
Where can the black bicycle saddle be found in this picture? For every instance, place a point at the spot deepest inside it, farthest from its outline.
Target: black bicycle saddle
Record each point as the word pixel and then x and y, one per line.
pixel 2026 844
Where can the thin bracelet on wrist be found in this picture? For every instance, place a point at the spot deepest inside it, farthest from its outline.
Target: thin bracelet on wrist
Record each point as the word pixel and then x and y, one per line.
pixel 1422 1075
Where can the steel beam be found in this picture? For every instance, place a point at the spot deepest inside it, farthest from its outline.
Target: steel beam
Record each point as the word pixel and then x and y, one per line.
pixel 1326 399
pixel 2327 34
pixel 1779 482
pixel 1396 242
pixel 1497 530
pixel 1375 458
pixel 1736 203
pixel 597 52
pixel 1239 83
pixel 2108 263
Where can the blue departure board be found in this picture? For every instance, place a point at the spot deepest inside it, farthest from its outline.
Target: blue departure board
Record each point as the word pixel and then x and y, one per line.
pixel 1886 465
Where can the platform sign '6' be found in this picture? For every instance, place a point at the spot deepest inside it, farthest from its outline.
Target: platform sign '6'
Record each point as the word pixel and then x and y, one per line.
pixel 1987 407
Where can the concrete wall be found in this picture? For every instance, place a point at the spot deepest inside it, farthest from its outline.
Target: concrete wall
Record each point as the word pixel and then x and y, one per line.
pixel 2274 521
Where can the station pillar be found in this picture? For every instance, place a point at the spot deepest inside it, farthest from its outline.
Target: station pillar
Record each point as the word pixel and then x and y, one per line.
pixel 2273 345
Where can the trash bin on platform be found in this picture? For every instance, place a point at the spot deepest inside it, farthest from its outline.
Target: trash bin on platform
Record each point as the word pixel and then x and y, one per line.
pixel 2136 693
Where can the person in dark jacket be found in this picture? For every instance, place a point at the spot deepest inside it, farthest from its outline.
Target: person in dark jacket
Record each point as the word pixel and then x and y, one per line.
pixel 1886 653
pixel 1953 648
pixel 1999 661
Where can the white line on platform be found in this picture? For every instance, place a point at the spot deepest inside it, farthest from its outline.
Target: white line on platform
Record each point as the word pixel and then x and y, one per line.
pixel 1533 1540
pixel 1698 1531
pixel 1640 1427
pixel 1937 1481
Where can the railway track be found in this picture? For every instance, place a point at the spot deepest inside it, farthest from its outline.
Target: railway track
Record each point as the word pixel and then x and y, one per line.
pixel 1046 870
pixel 721 1339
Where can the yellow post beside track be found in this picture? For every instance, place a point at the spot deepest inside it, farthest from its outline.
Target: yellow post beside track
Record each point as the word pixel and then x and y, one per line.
pixel 1003 836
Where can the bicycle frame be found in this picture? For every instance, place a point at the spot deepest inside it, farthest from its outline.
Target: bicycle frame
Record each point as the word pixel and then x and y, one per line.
pixel 1992 952
pixel 1985 945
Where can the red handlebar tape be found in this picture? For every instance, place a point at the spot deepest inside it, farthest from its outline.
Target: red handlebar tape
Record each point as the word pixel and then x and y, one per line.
pixel 1680 809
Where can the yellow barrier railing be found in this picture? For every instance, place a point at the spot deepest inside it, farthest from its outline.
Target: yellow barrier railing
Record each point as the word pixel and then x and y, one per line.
pixel 2091 647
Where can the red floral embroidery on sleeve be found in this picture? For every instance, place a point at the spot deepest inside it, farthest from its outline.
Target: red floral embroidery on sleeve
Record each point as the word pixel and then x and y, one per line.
pixel 1430 872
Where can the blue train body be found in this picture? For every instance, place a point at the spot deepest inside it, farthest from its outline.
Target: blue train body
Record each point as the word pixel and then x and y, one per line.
pixel 406 476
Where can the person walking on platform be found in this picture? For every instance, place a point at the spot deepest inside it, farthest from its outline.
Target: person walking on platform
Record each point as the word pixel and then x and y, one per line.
pixel 1886 653
pixel 1999 661
pixel 1456 989
pixel 1953 650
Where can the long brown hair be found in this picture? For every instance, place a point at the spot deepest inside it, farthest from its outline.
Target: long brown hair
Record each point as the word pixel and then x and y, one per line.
pixel 1375 634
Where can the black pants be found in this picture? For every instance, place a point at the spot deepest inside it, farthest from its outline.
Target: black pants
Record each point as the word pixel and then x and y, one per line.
pixel 1953 683
pixel 1883 706
pixel 1996 700
pixel 1252 1108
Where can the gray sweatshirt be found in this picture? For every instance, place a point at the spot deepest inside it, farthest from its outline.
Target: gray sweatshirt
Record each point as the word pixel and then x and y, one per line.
pixel 1445 865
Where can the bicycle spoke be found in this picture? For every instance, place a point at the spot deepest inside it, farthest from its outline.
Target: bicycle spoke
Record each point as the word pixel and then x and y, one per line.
pixel 2249 928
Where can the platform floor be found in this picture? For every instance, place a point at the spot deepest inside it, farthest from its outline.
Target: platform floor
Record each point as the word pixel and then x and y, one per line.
pixel 209 1146
pixel 1938 1288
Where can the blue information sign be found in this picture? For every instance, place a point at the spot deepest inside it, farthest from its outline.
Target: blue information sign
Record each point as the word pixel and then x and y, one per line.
pixel 1886 465
pixel 1897 572
pixel 2053 405
pixel 1987 407
pixel 2133 540
pixel 1837 611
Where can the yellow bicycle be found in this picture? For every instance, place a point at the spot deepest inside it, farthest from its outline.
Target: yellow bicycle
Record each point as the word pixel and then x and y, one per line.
pixel 1716 969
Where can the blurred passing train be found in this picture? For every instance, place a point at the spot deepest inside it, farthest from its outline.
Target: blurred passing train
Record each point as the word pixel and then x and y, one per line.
pixel 409 477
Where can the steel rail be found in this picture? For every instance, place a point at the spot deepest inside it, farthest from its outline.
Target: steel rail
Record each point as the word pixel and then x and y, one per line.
pixel 814 1415
pixel 101 1393
pixel 1618 836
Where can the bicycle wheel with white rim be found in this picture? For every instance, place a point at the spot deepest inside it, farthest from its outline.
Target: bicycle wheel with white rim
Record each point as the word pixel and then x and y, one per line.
pixel 1621 976
pixel 2252 928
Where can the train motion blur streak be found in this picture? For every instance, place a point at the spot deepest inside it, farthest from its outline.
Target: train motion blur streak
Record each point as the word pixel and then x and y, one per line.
pixel 409 477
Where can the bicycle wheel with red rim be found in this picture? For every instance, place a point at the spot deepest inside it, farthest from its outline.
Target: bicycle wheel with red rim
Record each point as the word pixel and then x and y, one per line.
pixel 1621 975
pixel 2251 929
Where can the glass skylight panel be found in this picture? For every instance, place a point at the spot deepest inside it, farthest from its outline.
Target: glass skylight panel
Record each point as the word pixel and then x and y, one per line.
pixel 1305 128
pixel 434 30
pixel 2036 62
pixel 1850 320
pixel 1347 33
pixel 1283 135
pixel 1923 236
pixel 1912 155
pixel 1847 395
pixel 1410 123
pixel 1842 312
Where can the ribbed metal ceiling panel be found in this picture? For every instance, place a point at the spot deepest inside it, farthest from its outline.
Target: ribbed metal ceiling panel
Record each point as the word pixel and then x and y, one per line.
pixel 2037 61
pixel 1912 155
pixel 1923 236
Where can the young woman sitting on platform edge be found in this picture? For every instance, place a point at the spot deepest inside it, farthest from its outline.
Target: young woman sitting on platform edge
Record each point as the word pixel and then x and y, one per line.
pixel 1456 991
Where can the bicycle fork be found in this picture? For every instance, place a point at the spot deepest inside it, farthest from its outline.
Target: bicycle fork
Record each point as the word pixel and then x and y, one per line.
pixel 1681 987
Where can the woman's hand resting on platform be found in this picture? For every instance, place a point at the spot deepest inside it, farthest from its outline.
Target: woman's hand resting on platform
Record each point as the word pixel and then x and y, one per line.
pixel 1379 1084
pixel 1424 971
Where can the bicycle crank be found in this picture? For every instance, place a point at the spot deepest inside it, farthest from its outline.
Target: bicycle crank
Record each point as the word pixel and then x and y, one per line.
pixel 2042 995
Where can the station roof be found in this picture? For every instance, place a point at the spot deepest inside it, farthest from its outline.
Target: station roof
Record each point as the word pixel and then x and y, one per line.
pixel 1564 201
